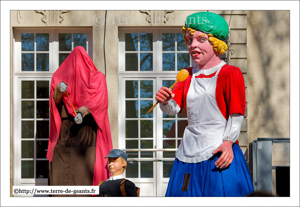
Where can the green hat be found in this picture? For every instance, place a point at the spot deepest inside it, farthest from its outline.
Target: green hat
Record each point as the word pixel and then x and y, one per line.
pixel 210 23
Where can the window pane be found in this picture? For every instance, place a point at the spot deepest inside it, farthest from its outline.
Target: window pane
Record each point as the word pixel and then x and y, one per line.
pixel 146 144
pixel 180 43
pixel 146 89
pixel 183 61
pixel 181 127
pixel 132 144
pixel 27 129
pixel 27 149
pixel 42 129
pixel 132 169
pixel 146 41
pixel 131 62
pixel 79 40
pixel 169 144
pixel 131 41
pixel 146 154
pixel 131 89
pixel 132 109
pixel 27 40
pixel 146 63
pixel 27 109
pixel 132 154
pixel 168 61
pixel 65 42
pixel 146 169
pixel 146 128
pixel 42 62
pixel 168 83
pixel 169 128
pixel 42 169
pixel 62 57
pixel 167 168
pixel 168 41
pixel 27 170
pixel 42 109
pixel 42 89
pixel 27 62
pixel 167 116
pixel 41 149
pixel 131 129
pixel 169 154
pixel 145 106
pixel 42 42
pixel 27 89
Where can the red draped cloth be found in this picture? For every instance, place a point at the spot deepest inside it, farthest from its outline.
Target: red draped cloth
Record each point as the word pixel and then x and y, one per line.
pixel 86 87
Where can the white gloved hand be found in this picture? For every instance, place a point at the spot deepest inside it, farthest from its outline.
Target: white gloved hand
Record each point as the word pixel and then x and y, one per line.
pixel 78 119
pixel 63 86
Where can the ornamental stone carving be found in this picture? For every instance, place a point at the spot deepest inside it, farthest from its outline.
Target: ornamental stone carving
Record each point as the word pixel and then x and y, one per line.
pixel 52 17
pixel 42 12
pixel 156 17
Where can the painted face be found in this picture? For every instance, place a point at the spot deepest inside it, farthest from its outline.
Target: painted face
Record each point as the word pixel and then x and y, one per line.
pixel 200 48
pixel 115 166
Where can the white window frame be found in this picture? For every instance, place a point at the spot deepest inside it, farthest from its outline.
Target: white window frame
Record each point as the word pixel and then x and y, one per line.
pixel 19 75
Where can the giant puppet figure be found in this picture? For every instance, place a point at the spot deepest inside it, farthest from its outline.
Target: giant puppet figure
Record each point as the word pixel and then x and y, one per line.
pixel 209 161
pixel 77 145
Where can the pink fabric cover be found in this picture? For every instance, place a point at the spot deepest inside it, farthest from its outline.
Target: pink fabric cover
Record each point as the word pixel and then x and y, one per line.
pixel 86 87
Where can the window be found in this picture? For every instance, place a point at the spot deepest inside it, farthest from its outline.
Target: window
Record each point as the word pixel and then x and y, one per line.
pixel 37 55
pixel 149 59
pixel 35 51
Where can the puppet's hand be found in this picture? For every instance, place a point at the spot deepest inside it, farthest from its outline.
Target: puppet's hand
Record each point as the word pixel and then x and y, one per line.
pixel 62 87
pixel 164 95
pixel 83 110
pixel 78 119
pixel 227 154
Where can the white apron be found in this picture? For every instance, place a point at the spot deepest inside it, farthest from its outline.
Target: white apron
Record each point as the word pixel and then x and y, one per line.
pixel 206 123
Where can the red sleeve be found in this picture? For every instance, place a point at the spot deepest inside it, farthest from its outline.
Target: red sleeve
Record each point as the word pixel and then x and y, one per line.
pixel 230 91
pixel 180 90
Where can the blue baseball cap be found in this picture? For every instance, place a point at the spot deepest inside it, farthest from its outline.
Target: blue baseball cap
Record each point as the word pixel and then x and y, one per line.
pixel 115 153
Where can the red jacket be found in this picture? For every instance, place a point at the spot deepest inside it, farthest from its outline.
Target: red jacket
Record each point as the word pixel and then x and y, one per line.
pixel 230 90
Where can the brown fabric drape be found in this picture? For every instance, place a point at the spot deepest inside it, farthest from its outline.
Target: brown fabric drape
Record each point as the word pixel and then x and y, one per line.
pixel 74 154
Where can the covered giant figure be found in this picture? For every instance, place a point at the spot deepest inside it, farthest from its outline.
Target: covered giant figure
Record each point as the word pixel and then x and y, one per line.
pixel 80 133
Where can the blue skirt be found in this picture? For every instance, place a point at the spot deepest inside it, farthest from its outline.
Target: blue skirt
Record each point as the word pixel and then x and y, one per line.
pixel 206 180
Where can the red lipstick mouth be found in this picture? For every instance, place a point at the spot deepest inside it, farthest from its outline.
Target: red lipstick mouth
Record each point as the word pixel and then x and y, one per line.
pixel 195 53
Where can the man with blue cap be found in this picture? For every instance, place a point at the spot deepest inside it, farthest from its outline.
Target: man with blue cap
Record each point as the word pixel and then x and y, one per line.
pixel 117 185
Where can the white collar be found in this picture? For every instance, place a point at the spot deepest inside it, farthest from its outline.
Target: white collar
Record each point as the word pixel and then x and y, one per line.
pixel 208 71
pixel 116 177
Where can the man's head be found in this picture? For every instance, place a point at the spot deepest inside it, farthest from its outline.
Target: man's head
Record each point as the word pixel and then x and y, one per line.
pixel 117 161
pixel 211 24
